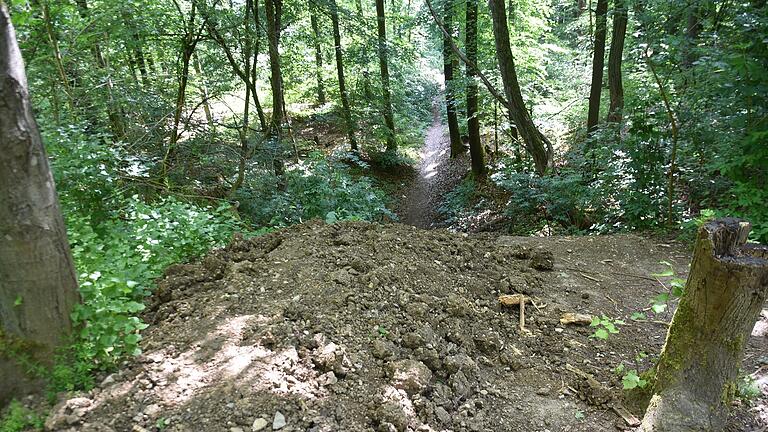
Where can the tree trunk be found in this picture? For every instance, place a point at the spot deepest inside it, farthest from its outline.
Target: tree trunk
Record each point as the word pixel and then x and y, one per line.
pixel 450 90
pixel 114 110
pixel 696 374
pixel 346 110
pixel 187 49
pixel 318 59
pixel 615 85
pixel 457 146
pixel 138 51
pixel 476 152
pixel 389 118
pixel 273 12
pixel 536 144
pixel 598 64
pixel 256 46
pixel 204 90
pixel 38 286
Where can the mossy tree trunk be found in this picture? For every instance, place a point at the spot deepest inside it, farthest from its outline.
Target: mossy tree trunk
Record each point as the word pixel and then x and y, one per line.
pixel 696 375
pixel 38 286
pixel 389 117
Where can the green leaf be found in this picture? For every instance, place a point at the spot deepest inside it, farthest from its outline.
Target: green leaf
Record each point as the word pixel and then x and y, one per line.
pixel 18 302
pixel 601 334
pixel 637 316
pixel 659 308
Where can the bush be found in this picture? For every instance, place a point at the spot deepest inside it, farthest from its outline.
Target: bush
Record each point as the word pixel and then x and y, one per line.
pixel 18 418
pixel 316 188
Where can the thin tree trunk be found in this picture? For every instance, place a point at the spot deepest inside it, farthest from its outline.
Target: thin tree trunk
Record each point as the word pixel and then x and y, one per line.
pixel 318 59
pixel 256 46
pixel 696 375
pixel 598 64
pixel 536 144
pixel 204 89
pixel 54 41
pixel 114 111
pixel 476 151
pixel 450 97
pixel 389 118
pixel 273 11
pixel 346 110
pixel 187 49
pixel 244 131
pixel 615 85
pixel 38 285
pixel 138 51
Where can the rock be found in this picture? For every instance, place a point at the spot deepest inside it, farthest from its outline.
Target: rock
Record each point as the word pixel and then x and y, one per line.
pixel 110 379
pixel 460 362
pixel 236 429
pixel 259 424
pixel 279 421
pixel 413 340
pixel 460 385
pixel 543 391
pixel 391 414
pixel 328 378
pixel 382 349
pixel 542 259
pixel 331 357
pixel 67 413
pixel 412 376
pixel 442 415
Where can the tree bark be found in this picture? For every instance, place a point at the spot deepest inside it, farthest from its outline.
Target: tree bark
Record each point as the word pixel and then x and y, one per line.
pixel 536 144
pixel 389 118
pixel 696 374
pixel 346 110
pixel 476 151
pixel 615 85
pixel 38 285
pixel 318 59
pixel 273 12
pixel 598 64
pixel 450 97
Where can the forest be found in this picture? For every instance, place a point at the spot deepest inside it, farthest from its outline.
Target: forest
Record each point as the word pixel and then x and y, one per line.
pixel 386 215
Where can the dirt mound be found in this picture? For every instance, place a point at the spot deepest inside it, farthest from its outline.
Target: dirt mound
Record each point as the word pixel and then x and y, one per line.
pixel 356 327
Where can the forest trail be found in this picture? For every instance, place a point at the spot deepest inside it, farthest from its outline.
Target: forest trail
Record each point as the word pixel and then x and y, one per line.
pixel 437 175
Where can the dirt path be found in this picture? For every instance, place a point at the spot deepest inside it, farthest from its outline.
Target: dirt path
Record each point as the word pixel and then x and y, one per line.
pixel 437 175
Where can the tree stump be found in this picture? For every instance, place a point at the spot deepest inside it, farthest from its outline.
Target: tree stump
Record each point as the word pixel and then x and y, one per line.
pixel 696 375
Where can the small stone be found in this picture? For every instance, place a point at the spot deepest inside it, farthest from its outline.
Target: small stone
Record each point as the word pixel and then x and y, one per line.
pixel 110 379
pixel 543 391
pixel 259 424
pixel 279 421
pixel 236 429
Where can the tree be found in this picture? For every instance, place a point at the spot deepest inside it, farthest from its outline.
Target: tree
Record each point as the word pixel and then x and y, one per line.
pixel 318 57
pixel 389 117
pixel 476 151
pixel 38 286
pixel 273 12
pixel 536 144
pixel 347 111
pixel 598 64
pixel 457 146
pixel 615 84
pixel 696 375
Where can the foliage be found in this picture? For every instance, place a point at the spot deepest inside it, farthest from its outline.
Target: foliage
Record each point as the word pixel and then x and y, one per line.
pixel 747 388
pixel 604 327
pixel 315 188
pixel 18 418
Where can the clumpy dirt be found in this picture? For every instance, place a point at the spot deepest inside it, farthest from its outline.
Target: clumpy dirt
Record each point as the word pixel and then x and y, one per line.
pixel 366 327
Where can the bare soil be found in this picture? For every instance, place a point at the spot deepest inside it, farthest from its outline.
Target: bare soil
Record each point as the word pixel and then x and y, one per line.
pixel 368 327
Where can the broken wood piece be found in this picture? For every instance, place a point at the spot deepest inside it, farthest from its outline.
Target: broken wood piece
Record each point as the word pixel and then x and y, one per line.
pixel 624 413
pixel 519 300
pixel 575 318
pixel 513 299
